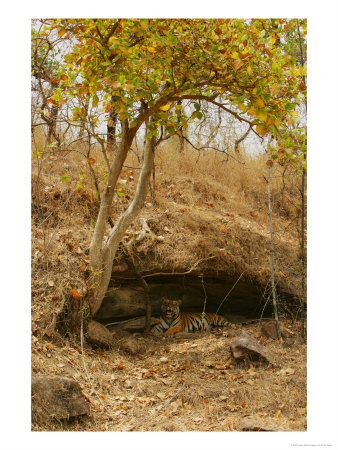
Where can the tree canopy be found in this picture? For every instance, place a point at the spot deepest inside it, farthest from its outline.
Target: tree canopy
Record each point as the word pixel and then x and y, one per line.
pixel 141 68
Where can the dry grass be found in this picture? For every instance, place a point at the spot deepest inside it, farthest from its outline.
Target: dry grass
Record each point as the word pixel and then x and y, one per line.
pixel 205 205
pixel 186 383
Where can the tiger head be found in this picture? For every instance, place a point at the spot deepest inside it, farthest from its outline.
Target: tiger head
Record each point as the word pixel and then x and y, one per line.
pixel 170 309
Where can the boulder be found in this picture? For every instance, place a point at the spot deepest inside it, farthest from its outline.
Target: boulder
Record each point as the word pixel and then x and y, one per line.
pixel 98 334
pixel 246 347
pixel 133 346
pixel 132 325
pixel 269 330
pixel 55 397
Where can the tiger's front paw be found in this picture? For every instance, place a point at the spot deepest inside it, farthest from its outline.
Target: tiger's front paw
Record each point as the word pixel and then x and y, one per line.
pixel 172 331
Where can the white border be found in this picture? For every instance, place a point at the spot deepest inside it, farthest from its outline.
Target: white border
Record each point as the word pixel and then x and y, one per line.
pixel 15 232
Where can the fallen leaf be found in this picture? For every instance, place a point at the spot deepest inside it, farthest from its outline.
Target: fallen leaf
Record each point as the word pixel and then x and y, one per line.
pixel 74 293
pixel 161 395
pixel 176 404
pixel 287 371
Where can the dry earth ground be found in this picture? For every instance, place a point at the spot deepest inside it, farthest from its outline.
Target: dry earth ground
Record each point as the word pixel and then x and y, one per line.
pixel 204 206
pixel 180 384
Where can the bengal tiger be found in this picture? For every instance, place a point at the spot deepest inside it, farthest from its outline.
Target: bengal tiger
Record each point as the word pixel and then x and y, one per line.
pixel 173 321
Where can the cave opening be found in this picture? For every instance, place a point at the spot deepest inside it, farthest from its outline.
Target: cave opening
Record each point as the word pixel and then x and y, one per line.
pixel 236 298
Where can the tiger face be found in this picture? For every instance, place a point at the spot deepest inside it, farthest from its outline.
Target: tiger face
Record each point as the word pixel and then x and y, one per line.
pixel 170 309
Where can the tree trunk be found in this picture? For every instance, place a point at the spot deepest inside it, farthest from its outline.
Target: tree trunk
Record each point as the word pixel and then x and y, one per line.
pixel 52 133
pixel 111 129
pixel 102 257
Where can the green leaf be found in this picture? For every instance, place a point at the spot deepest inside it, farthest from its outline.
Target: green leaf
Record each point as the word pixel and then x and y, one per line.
pixel 65 178
pixel 95 100
pixel 120 192
pixel 197 115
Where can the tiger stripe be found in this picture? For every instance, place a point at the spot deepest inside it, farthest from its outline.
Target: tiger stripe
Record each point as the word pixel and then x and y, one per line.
pixel 173 321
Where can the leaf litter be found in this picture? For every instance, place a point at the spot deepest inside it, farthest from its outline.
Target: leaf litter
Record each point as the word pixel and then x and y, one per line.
pixel 169 389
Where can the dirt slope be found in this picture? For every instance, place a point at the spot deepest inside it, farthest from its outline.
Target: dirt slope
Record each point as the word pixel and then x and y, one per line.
pixel 205 214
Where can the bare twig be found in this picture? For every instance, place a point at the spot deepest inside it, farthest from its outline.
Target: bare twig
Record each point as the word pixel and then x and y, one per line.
pixel 274 295
pixel 229 292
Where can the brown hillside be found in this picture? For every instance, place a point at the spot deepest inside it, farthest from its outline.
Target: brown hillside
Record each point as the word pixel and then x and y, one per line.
pixel 206 215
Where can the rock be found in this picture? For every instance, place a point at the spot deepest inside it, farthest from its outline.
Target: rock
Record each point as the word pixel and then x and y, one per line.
pixel 133 346
pixel 269 330
pixel 247 347
pixel 98 334
pixel 132 325
pixel 56 397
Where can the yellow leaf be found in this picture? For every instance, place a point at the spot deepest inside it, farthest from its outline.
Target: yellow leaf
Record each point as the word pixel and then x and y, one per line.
pixel 270 121
pixel 165 108
pixel 245 51
pixel 278 414
pixel 260 103
pixel 235 55
pixel 62 32
pixel 252 111
pixel 249 70
pixel 262 115
pixel 243 107
pixel 238 64
pixel 151 49
pixel 274 89
pixel 262 130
